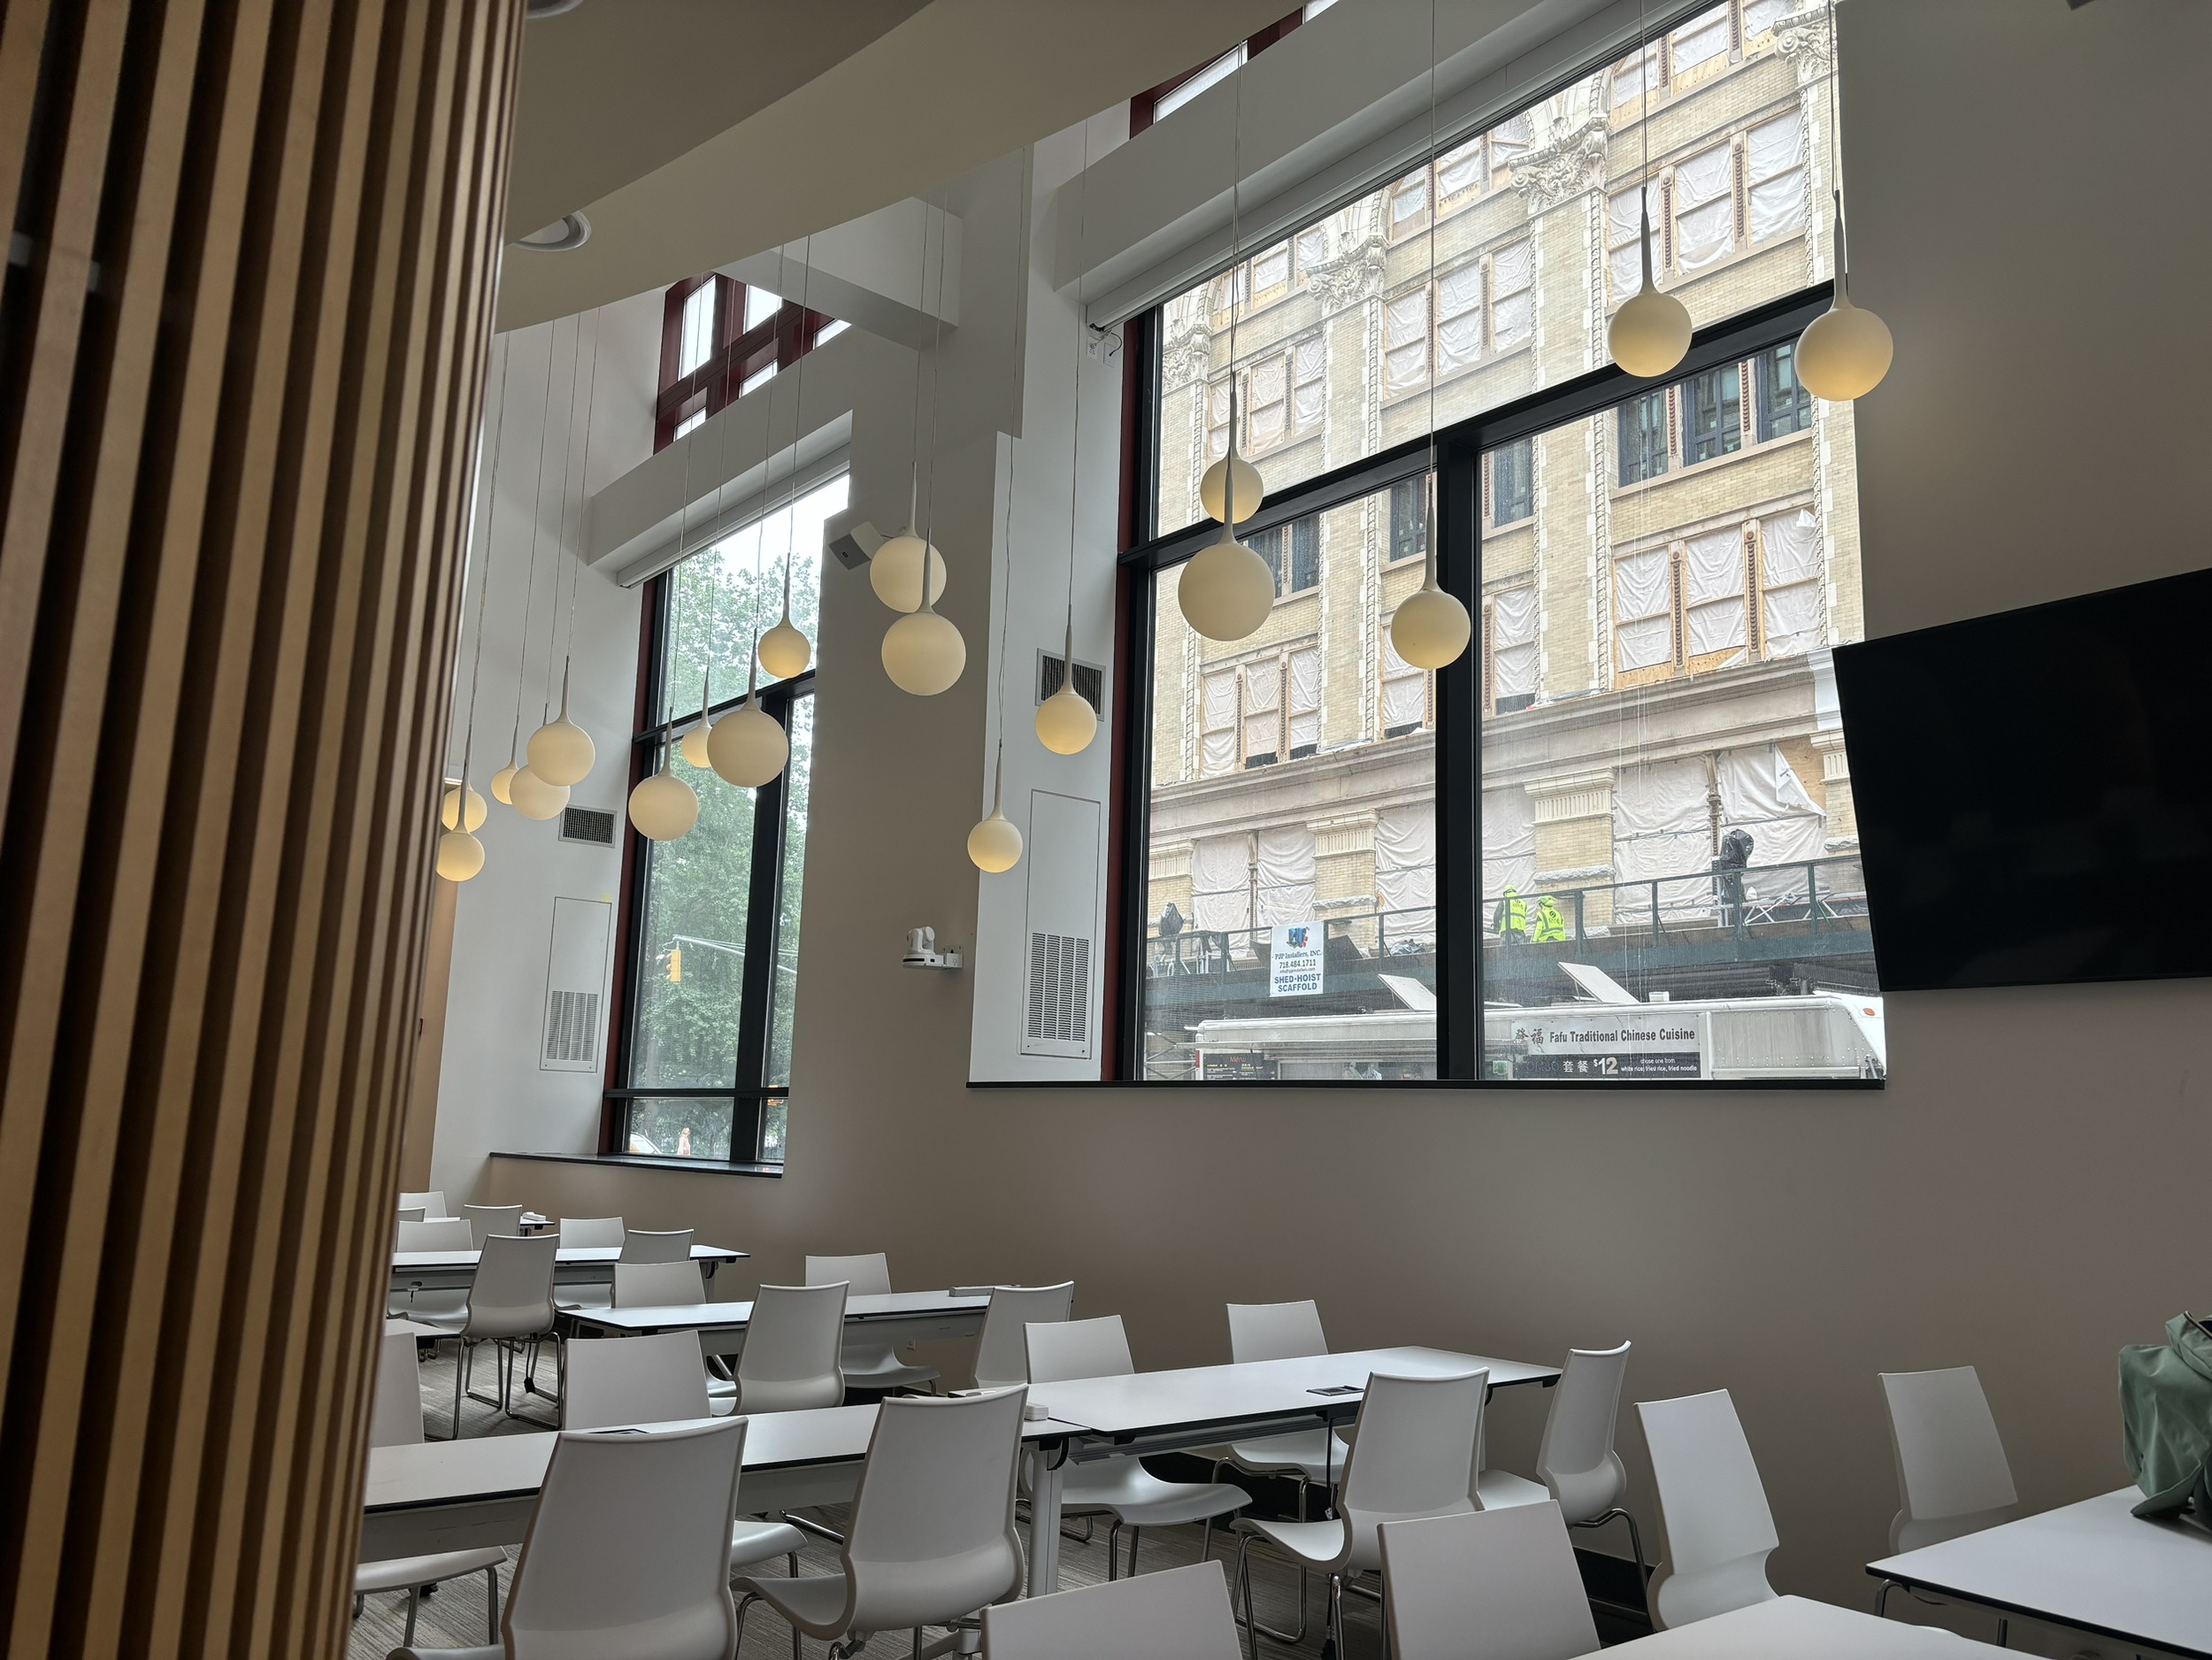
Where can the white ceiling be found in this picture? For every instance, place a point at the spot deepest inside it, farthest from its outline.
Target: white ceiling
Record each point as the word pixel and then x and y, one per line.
pixel 694 132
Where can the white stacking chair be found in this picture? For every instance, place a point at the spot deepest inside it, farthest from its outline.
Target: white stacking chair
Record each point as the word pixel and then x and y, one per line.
pixel 1178 1614
pixel 411 1213
pixel 1001 1354
pixel 868 1365
pixel 792 1343
pixel 395 1421
pixel 645 1245
pixel 657 1285
pixel 624 1554
pixel 1119 1486
pixel 932 1541
pixel 1952 1476
pixel 510 1298
pixel 441 1234
pixel 1283 1331
pixel 1490 1585
pixel 579 1233
pixel 1412 1455
pixel 1719 1528
pixel 431 1204
pixel 658 1380
pixel 485 1220
pixel 1579 1468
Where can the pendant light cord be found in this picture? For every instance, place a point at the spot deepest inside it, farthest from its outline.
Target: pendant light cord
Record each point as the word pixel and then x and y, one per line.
pixel 1236 246
pixel 1435 188
pixel 1013 447
pixel 798 426
pixel 1835 152
pixel 1075 446
pixel 583 486
pixel 537 513
pixel 936 372
pixel 914 423
pixel 476 670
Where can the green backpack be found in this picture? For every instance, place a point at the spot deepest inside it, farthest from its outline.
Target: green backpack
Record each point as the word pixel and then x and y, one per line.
pixel 2166 1418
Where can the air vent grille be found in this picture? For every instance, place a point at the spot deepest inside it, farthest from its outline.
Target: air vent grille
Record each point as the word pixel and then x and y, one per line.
pixel 587 824
pixel 1089 681
pixel 571 1027
pixel 1059 988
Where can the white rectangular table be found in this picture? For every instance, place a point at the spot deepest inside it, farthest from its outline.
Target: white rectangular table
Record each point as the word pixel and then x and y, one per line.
pixel 1797 1628
pixel 573 1265
pixel 898 1317
pixel 460 1495
pixel 1199 1406
pixel 2092 1567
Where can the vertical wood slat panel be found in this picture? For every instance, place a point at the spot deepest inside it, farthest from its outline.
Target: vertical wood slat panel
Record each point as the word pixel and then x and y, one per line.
pixel 237 466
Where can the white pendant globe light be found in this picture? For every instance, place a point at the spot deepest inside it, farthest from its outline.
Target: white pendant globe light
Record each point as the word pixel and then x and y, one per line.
pixel 1216 492
pixel 452 806
pixel 896 572
pixel 923 653
pixel 561 751
pixel 1844 352
pixel 1226 589
pixel 1431 628
pixel 1651 332
pixel 1066 723
pixel 664 807
pixel 501 780
pixel 693 748
pixel 995 846
pixel 533 798
pixel 748 746
pixel 460 856
pixel 784 651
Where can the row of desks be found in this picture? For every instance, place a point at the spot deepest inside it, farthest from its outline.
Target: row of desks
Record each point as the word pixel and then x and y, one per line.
pixel 573 1265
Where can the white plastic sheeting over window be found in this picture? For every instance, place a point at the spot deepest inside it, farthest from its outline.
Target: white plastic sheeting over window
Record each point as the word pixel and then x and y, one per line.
pixel 1699 41
pixel 1795 618
pixel 1217 419
pixel 1458 319
pixel 1513 654
pixel 1267 415
pixel 1308 362
pixel 1643 611
pixel 1628 86
pixel 1405 689
pixel 1284 855
pixel 1663 826
pixel 1462 170
pixel 1715 578
pixel 1221 881
pixel 1704 209
pixel 1513 299
pixel 1508 843
pixel 1262 709
pixel 1624 240
pixel 1405 873
pixel 1406 341
pixel 1408 202
pixel 1759 16
pixel 1218 723
pixel 1270 270
pixel 1775 164
pixel 1305 698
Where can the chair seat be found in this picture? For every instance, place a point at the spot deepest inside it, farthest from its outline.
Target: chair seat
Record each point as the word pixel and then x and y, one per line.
pixel 575 1297
pixel 477 1651
pixel 449 1321
pixel 752 1541
pixel 403 1573
pixel 1307 1451
pixel 882 1369
pixel 1125 1489
pixel 1501 1490
pixel 430 1307
pixel 1309 1544
pixel 814 1603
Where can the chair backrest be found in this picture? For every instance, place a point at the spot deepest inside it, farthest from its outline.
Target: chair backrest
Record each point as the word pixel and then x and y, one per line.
pixel 657 1285
pixel 641 1245
pixel 628 1550
pixel 869 1276
pixel 1719 1528
pixel 430 1204
pixel 1576 1459
pixel 487 1219
pixel 579 1231
pixel 511 1293
pixel 1414 1455
pixel 1060 1349
pixel 1180 1611
pixel 792 1344
pixel 1489 1585
pixel 411 1213
pixel 1275 1331
pixel 395 1415
pixel 634 1380
pixel 1952 1476
pixel 445 1233
pixel 1002 1355
pixel 932 1535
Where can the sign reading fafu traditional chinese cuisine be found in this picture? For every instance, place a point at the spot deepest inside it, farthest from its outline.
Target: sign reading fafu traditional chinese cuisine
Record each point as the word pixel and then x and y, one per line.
pixel 1610 1041
pixel 1294 960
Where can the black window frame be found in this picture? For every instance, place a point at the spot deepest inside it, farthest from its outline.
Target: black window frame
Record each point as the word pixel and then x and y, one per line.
pixel 1524 479
pixel 1644 461
pixel 1457 453
pixel 1712 428
pixel 1774 419
pixel 750 1094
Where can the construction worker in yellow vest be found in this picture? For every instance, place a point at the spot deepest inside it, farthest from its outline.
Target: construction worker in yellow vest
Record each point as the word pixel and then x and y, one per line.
pixel 1550 925
pixel 1511 917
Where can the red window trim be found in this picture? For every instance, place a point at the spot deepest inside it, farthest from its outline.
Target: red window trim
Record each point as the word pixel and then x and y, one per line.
pixel 1142 107
pixel 781 340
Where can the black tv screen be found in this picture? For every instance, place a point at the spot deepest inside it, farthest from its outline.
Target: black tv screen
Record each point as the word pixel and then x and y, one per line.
pixel 2034 791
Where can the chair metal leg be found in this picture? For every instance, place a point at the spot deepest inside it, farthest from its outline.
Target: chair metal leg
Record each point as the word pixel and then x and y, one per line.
pixel 414 1602
pixel 1335 1645
pixel 1113 1550
pixel 460 1382
pixel 1244 1580
pixel 491 1601
pixel 1289 1639
pixel 1135 1533
pixel 1636 1546
pixel 1881 1598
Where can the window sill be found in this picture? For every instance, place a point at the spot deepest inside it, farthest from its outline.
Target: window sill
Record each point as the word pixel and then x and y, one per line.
pixel 1473 1085
pixel 706 1166
pixel 1704 469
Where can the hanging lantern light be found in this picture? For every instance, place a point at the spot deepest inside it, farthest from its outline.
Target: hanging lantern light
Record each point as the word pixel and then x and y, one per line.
pixel 896 572
pixel 1226 589
pixel 1215 490
pixel 1431 628
pixel 1844 352
pixel 995 846
pixel 561 751
pixel 1650 333
pixel 1066 722
pixel 460 856
pixel 923 653
pixel 748 746
pixel 533 798
pixel 450 810
pixel 664 807
pixel 693 748
pixel 501 780
pixel 784 652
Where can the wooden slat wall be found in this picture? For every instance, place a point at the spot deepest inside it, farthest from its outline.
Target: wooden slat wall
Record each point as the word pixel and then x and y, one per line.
pixel 242 343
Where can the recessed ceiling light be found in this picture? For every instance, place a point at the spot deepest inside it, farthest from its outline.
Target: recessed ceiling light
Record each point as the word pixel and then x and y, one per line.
pixel 570 230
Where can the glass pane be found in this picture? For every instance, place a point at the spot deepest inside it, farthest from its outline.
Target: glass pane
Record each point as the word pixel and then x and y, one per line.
pixel 1353 331
pixel 1292 928
pixel 680 1126
pixel 691 966
pixel 784 995
pixel 775 1121
pixel 1670 879
pixel 726 595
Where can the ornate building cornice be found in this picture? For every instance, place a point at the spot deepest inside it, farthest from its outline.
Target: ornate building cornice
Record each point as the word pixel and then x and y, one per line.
pixel 1803 41
pixel 1186 356
pixel 1353 274
pixel 1568 162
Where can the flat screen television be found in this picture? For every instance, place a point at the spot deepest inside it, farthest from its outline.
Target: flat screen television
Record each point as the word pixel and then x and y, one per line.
pixel 2034 790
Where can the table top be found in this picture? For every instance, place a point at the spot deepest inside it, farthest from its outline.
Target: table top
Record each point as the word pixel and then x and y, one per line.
pixel 1804 1630
pixel 699 1316
pixel 2090 1565
pixel 1202 1395
pixel 403 1261
pixel 441 1472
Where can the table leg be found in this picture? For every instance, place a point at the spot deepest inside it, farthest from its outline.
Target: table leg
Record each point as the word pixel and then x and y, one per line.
pixel 1045 1472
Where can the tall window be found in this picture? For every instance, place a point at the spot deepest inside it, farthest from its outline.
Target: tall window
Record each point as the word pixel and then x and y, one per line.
pixel 719 339
pixel 712 919
pixel 1614 840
